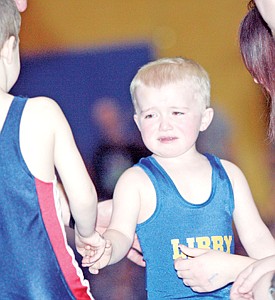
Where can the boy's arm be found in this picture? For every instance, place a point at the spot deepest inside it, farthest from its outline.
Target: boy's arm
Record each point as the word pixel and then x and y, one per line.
pixel 79 188
pixel 207 270
pixel 104 213
pixel 48 143
pixel 254 234
pixel 126 208
pixel 248 278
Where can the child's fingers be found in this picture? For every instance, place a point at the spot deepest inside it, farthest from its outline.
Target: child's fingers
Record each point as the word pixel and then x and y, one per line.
pixel 93 254
pixel 95 267
pixel 93 271
pixel 98 252
pixel 86 261
pixel 192 252
pixel 87 252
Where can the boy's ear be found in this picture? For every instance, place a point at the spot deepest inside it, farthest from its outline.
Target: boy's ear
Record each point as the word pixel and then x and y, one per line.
pixel 136 121
pixel 21 5
pixel 207 118
pixel 8 48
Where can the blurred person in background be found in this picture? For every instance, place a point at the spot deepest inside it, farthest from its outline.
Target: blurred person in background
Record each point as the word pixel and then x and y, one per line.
pixel 118 147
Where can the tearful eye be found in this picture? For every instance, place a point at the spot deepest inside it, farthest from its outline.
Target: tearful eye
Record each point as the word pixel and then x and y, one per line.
pixel 150 116
pixel 178 113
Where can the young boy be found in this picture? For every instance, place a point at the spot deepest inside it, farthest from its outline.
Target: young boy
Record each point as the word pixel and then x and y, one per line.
pixel 178 195
pixel 35 138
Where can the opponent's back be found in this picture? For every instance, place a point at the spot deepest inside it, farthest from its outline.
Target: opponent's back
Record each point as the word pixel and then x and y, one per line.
pixel 36 261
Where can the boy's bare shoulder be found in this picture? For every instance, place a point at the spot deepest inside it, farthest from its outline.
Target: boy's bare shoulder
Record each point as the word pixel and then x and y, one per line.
pixel 233 171
pixel 43 114
pixel 134 175
pixel 43 108
pixel 43 103
pixel 134 182
pixel 230 166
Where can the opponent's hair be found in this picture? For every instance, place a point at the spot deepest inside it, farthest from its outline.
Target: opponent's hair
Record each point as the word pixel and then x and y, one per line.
pixel 257 46
pixel 10 21
pixel 173 70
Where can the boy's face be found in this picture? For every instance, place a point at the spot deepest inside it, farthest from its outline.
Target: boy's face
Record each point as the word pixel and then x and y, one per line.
pixel 169 119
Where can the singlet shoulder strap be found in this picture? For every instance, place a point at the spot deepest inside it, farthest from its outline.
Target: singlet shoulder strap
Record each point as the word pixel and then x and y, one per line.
pixel 161 181
pixel 13 119
pixel 217 165
pixel 220 175
pixel 153 170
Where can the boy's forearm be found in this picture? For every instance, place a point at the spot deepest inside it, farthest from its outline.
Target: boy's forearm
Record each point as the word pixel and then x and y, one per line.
pixel 84 211
pixel 64 204
pixel 121 244
pixel 85 219
pixel 238 263
pixel 261 244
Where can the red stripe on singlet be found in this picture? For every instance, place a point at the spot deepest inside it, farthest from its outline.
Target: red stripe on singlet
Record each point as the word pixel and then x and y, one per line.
pixel 55 233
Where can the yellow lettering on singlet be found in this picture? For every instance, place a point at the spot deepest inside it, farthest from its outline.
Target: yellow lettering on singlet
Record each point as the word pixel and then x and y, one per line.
pixel 203 242
pixel 176 250
pixel 190 242
pixel 228 241
pixel 217 242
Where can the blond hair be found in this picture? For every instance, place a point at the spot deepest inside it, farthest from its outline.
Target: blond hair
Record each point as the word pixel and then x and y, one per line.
pixel 173 70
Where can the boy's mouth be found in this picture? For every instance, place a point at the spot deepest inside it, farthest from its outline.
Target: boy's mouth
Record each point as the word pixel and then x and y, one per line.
pixel 167 139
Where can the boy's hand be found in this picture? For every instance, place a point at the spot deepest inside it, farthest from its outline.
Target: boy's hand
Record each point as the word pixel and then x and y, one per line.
pixel 102 262
pixel 94 245
pixel 202 270
pixel 248 278
pixel 235 295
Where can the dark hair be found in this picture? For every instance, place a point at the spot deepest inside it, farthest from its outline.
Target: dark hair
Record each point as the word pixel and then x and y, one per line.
pixel 257 47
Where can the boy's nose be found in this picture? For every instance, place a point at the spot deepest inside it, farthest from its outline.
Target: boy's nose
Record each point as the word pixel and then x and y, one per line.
pixel 165 124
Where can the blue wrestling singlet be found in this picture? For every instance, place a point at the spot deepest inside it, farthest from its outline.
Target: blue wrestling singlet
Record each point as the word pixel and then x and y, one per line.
pixel 36 261
pixel 177 221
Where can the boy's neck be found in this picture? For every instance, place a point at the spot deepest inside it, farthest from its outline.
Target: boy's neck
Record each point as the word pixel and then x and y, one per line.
pixel 187 158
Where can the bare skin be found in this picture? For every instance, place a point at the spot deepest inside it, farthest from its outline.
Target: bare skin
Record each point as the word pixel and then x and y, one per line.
pixel 267 10
pixel 21 5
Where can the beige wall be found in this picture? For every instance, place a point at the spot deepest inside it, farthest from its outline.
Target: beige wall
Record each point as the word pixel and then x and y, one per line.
pixel 205 30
